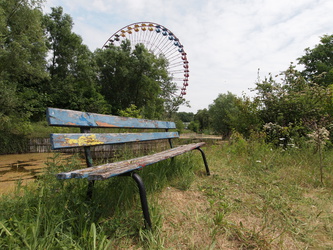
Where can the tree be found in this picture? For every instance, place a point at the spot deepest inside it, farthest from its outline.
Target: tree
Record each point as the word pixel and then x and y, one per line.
pixel 292 100
pixel 136 77
pixel 202 117
pixel 318 62
pixel 22 70
pixel 131 111
pixel 230 113
pixel 14 122
pixel 72 68
pixel 23 52
pixel 194 126
pixel 293 104
pixel 221 113
pixel 185 116
pixel 247 119
pixel 22 44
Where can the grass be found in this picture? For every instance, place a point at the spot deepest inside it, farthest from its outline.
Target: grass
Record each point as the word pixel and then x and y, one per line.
pixel 256 198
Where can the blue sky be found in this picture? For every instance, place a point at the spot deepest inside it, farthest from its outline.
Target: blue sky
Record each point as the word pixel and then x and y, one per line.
pixel 226 40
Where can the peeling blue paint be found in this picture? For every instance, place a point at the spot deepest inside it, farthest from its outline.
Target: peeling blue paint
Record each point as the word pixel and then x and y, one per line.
pixel 62 117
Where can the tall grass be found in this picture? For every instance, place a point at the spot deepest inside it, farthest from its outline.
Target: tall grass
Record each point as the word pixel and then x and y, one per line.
pixel 257 197
pixel 263 197
pixel 58 214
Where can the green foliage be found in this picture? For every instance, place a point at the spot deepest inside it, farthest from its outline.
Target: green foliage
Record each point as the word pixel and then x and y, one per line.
pixel 72 68
pixel 194 126
pixel 292 105
pixel 293 100
pixel 22 63
pixel 22 44
pixel 318 62
pixel 185 116
pixel 44 63
pixel 14 123
pixel 180 126
pixel 12 143
pixel 131 111
pixel 135 76
pixel 229 112
pixel 202 117
pixel 221 112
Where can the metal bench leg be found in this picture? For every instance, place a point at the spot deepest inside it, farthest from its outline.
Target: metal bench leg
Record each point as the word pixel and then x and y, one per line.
pixel 90 189
pixel 205 160
pixel 143 198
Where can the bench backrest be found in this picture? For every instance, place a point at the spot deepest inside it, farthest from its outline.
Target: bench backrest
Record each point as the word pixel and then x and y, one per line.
pixel 85 121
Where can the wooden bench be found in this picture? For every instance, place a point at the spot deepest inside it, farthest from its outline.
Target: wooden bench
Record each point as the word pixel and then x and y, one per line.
pixel 85 121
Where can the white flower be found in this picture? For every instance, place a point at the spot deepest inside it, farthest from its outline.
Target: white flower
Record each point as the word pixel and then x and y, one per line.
pixel 320 136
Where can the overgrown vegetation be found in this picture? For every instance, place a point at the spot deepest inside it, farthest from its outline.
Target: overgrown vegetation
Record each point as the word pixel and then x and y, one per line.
pixel 53 213
pixel 287 106
pixel 258 197
pixel 43 63
pixel 271 183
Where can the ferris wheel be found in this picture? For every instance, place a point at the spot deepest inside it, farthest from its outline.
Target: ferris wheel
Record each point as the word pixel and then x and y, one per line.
pixel 158 40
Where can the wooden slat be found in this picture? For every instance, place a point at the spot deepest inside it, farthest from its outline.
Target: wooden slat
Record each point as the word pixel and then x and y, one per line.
pixel 64 117
pixel 113 169
pixel 90 139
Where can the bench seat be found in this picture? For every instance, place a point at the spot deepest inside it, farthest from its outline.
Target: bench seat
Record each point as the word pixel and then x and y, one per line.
pixel 109 170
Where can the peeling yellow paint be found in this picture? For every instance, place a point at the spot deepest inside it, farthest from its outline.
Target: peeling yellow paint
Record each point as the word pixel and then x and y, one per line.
pixel 84 140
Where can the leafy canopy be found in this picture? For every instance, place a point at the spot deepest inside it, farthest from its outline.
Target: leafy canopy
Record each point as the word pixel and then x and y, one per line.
pixel 135 77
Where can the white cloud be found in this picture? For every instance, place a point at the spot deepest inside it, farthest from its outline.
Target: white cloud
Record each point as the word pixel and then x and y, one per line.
pixel 226 41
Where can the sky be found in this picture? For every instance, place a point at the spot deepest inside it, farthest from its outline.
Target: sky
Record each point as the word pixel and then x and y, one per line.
pixel 228 42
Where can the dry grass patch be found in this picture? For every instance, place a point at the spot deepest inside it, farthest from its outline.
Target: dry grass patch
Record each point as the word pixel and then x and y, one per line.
pixel 184 222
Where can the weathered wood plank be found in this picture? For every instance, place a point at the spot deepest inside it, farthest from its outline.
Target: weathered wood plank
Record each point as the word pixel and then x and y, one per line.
pixel 90 139
pixel 106 171
pixel 63 117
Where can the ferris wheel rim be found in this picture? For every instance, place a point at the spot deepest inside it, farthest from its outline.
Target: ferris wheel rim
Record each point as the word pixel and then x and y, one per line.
pixel 165 33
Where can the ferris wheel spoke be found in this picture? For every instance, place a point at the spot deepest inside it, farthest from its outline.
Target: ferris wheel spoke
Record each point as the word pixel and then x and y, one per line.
pixel 154 38
pixel 176 64
pixel 178 71
pixel 167 45
pixel 173 54
pixel 160 42
pixel 169 48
